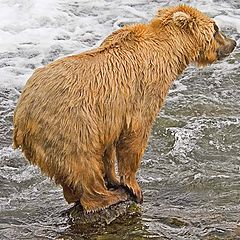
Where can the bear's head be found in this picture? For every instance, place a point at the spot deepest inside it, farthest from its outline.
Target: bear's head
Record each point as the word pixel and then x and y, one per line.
pixel 194 32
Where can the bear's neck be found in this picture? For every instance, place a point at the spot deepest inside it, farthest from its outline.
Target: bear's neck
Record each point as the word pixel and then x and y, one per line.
pixel 160 61
pixel 162 64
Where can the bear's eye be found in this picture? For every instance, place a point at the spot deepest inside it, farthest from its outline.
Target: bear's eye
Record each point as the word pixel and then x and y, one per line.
pixel 216 30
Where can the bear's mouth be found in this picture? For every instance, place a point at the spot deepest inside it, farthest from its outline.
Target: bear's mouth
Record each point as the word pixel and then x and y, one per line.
pixel 221 56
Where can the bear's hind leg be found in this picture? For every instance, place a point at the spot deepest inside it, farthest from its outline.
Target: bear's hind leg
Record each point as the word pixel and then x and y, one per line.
pixel 93 201
pixel 95 195
pixel 69 194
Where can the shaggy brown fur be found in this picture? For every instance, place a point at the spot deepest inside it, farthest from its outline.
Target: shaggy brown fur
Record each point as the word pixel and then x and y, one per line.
pixel 79 113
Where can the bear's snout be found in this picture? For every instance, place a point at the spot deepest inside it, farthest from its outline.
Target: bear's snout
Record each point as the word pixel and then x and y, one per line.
pixel 226 49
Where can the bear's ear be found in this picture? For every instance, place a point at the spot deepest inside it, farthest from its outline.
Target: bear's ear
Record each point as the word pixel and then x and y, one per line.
pixel 182 19
pixel 159 12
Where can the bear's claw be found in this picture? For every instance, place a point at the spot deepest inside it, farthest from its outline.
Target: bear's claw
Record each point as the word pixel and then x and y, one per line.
pixel 131 184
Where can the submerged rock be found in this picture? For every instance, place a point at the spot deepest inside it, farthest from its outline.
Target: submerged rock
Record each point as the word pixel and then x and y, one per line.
pixel 105 216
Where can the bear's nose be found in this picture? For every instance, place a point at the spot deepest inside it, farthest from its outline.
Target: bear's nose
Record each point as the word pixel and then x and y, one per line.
pixel 234 43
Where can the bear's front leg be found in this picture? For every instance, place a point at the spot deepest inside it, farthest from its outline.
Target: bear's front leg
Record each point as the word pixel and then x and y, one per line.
pixel 109 167
pixel 130 149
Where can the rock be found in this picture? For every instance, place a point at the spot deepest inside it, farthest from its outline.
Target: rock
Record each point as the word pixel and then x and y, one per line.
pixel 105 216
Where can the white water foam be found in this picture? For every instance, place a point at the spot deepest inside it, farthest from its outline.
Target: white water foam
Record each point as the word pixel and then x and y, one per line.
pixel 34 30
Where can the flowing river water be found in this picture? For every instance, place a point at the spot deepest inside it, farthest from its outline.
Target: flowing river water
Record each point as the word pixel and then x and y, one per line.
pixel 190 173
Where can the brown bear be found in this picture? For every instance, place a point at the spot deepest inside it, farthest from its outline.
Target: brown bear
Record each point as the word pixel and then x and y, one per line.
pixel 78 114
